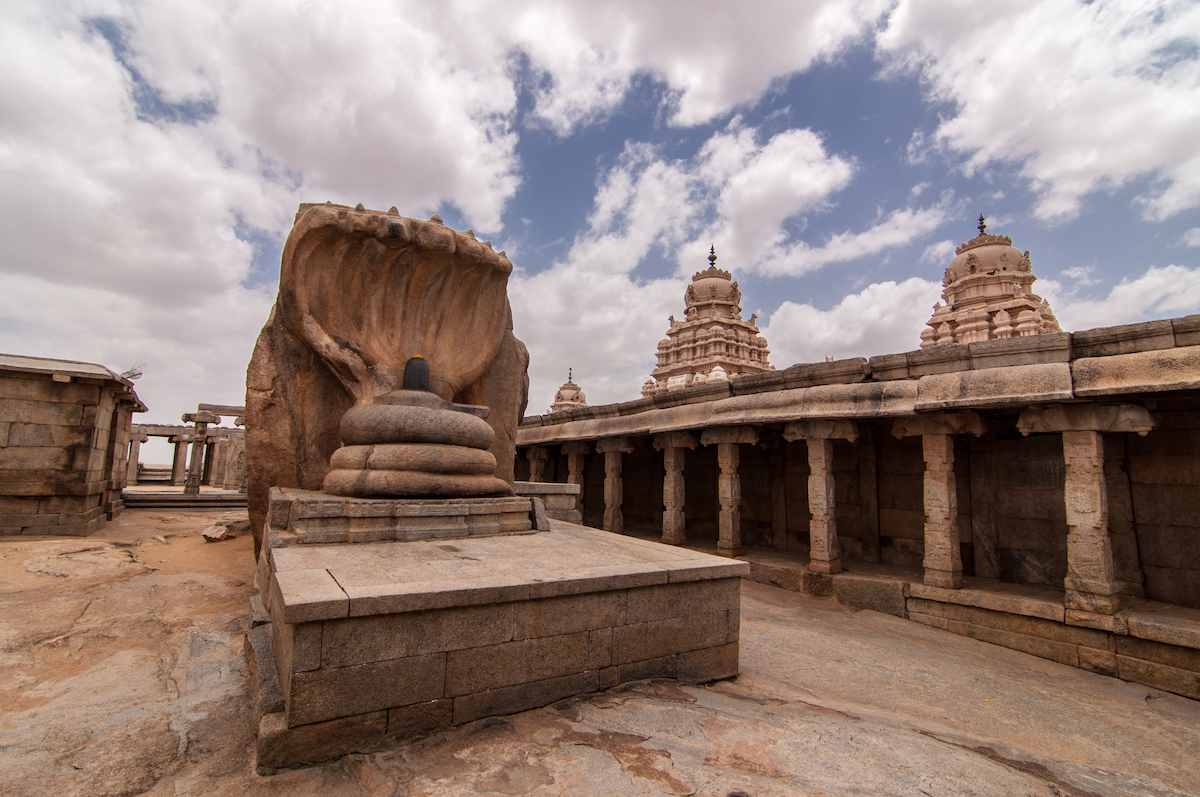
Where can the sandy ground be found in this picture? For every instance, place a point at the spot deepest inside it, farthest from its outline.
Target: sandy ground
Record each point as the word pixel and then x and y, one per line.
pixel 121 672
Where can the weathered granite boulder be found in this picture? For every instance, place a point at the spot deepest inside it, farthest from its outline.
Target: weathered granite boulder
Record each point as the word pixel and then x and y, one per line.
pixel 360 292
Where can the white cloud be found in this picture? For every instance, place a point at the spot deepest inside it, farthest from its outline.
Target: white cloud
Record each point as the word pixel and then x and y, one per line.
pixel 883 318
pixel 1085 96
pixel 939 254
pixel 1161 292
pixel 1081 275
pixel 1191 237
pixel 713 56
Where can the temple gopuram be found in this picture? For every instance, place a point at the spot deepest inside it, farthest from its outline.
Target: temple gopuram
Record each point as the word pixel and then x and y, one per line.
pixel 712 342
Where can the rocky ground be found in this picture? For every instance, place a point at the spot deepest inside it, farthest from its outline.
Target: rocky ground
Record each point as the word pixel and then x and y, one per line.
pixel 121 672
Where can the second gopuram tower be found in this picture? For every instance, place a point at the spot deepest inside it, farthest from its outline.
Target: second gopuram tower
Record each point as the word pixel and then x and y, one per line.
pixel 712 342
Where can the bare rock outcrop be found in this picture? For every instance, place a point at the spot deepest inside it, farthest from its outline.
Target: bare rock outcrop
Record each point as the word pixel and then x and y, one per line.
pixel 361 292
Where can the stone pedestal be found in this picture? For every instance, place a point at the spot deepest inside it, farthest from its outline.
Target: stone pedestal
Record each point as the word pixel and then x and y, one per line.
pixel 559 499
pixel 674 446
pixel 943 558
pixel 388 640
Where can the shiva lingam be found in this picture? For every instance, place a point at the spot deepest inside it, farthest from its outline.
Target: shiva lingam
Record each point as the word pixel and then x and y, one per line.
pixel 410 442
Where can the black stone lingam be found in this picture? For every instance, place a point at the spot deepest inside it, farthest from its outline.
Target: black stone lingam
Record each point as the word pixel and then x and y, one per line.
pixel 411 443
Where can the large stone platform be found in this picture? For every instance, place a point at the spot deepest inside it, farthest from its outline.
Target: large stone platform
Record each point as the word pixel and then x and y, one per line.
pixel 390 639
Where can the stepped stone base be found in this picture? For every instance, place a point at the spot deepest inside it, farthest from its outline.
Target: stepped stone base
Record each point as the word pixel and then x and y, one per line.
pixel 383 640
pixel 307 517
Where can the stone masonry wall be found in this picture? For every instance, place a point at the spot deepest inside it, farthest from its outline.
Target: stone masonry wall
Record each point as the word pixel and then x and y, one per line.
pixel 56 443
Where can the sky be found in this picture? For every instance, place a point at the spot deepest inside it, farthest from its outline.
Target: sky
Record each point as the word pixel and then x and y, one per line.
pixel 153 154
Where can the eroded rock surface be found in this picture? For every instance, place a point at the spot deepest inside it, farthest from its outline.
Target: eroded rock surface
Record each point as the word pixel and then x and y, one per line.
pixel 360 292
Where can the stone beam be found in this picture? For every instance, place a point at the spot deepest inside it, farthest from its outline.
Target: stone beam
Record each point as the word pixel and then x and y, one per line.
pixel 1113 418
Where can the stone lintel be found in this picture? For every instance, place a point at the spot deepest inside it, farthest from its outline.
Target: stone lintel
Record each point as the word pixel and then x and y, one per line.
pixel 674 440
pixel 1008 386
pixel 965 422
pixel 828 373
pixel 610 444
pixel 821 429
pixel 1085 418
pixel 576 447
pixel 729 434
pixel 1138 372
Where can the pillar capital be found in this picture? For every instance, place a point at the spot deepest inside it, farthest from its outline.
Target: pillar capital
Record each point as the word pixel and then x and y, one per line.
pixel 611 444
pixel 576 447
pixel 674 440
pixel 537 452
pixel 729 434
pixel 962 422
pixel 1085 418
pixel 201 417
pixel 821 429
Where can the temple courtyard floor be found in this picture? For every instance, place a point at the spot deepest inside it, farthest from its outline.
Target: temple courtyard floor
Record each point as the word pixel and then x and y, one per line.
pixel 122 672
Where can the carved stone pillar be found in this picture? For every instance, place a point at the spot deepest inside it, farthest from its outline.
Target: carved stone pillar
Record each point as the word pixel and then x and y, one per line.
pixel 824 552
pixel 537 456
pixel 135 454
pixel 1091 583
pixel 199 443
pixel 613 448
pixel 674 446
pixel 943 556
pixel 576 453
pixel 179 462
pixel 729 485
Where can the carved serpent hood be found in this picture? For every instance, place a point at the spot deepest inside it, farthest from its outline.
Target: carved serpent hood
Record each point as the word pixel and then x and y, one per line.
pixel 367 290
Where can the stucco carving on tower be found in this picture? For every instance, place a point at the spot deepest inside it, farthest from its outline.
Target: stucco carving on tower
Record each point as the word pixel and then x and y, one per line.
pixel 987 295
pixel 712 342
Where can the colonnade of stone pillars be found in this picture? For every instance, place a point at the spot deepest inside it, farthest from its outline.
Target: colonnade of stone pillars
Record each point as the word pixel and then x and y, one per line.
pixel 674 446
pixel 613 448
pixel 729 485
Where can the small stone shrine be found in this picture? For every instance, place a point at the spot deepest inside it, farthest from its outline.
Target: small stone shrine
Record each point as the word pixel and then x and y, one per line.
pixel 987 295
pixel 712 343
pixel 402 586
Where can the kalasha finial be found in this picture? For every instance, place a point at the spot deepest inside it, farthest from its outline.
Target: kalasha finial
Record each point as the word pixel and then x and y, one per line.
pixel 982 226
pixel 569 370
pixel 712 256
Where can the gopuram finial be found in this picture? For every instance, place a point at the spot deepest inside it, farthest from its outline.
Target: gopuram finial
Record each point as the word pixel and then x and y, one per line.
pixel 712 256
pixel 569 371
pixel 982 226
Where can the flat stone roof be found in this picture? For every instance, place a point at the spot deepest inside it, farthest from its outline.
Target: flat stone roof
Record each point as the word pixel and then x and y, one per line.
pixel 46 365
pixel 1133 360
pixel 323 582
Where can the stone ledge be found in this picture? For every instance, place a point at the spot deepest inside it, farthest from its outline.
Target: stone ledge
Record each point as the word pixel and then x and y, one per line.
pixel 996 387
pixel 1141 372
pixel 1011 602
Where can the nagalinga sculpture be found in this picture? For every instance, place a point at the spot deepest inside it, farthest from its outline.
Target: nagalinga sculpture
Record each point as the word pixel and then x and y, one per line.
pixel 360 293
